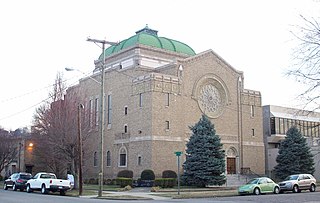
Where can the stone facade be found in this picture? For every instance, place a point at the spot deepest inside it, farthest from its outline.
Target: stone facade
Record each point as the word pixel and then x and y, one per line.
pixel 153 95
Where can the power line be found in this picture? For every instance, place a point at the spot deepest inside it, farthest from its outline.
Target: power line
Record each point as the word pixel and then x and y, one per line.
pixel 38 103
pixel 31 92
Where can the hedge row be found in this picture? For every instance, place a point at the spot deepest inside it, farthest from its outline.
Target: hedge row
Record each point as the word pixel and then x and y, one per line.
pixel 124 181
pixel 165 182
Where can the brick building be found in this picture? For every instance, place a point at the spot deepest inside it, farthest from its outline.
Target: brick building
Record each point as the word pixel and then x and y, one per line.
pixel 155 88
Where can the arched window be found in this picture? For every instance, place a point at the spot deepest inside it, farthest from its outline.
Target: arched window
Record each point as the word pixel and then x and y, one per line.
pixel 95 159
pixel 123 157
pixel 108 158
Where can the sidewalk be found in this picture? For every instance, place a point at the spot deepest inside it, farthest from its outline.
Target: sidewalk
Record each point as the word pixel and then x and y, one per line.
pixel 134 195
pixel 145 194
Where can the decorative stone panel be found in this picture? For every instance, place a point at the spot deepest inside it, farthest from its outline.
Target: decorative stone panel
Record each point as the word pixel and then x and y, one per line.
pixel 157 83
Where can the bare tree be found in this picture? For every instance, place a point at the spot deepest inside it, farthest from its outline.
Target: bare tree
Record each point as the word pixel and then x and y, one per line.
pixel 8 148
pixel 306 57
pixel 54 132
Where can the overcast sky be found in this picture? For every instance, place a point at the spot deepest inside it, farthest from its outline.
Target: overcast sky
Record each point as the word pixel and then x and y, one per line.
pixel 40 38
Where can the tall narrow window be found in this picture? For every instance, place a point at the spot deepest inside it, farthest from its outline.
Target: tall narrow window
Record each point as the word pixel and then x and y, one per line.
pixel 95 159
pixel 109 109
pixel 252 111
pixel 140 100
pixel 90 112
pixel 167 125
pixel 96 112
pixel 126 128
pixel 272 125
pixel 108 158
pixel 125 110
pixel 252 131
pixel 123 157
pixel 139 160
pixel 167 99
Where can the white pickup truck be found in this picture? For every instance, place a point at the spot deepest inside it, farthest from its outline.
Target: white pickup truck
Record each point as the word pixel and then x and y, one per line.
pixel 46 182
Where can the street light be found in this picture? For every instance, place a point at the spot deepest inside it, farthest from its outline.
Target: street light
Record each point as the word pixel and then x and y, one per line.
pixel 74 69
pixel 103 42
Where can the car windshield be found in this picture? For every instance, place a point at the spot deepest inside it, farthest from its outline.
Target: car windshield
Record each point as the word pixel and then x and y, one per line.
pixel 253 181
pixel 293 177
pixel 25 176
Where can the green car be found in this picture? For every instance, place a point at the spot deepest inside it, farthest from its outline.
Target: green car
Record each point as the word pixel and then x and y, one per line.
pixel 257 186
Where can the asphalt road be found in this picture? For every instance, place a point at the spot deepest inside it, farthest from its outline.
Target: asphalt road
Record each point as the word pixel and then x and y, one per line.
pixel 9 196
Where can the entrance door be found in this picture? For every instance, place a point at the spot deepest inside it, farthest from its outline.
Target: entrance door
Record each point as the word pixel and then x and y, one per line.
pixel 231 165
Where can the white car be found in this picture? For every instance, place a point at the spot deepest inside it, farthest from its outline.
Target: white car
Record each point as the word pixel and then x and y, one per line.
pixel 46 182
pixel 298 182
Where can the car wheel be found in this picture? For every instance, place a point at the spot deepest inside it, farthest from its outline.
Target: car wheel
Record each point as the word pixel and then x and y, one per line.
pixel 14 187
pixel 295 189
pixel 276 190
pixel 5 187
pixel 62 192
pixel 256 191
pixel 312 188
pixel 29 188
pixel 43 189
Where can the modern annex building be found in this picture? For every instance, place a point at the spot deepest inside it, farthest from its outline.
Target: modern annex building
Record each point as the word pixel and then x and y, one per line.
pixel 155 88
pixel 277 120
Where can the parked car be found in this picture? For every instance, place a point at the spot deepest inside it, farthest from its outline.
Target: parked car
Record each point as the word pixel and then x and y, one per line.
pixel 46 182
pixel 17 181
pixel 260 185
pixel 298 182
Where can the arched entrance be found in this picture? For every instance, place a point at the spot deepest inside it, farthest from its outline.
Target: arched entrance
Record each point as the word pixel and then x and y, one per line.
pixel 232 160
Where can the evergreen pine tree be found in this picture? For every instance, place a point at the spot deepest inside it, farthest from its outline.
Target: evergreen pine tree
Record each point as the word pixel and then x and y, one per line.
pixel 294 155
pixel 205 158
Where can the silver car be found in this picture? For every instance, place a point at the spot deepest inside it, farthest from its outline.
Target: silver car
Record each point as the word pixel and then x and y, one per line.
pixel 298 182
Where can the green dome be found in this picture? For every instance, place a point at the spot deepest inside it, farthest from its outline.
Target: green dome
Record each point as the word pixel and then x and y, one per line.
pixel 149 37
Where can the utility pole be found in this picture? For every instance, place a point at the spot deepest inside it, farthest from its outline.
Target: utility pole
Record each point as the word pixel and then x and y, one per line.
pixel 103 42
pixel 80 107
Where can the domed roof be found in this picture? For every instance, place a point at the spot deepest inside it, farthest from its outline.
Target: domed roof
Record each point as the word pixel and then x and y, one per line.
pixel 149 37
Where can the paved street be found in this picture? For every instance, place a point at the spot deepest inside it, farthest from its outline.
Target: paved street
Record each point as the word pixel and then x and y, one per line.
pixel 10 196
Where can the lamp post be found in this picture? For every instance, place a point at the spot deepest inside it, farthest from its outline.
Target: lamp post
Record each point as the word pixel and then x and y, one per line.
pixel 103 42
pixel 80 106
pixel 178 154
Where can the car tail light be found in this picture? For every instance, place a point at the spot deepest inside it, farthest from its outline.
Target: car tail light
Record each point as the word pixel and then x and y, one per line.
pixel 20 181
pixel 50 181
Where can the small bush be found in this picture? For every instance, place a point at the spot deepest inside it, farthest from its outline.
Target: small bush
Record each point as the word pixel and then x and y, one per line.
pixel 169 174
pixel 93 181
pixel 147 175
pixel 108 182
pixel 124 181
pixel 1 178
pixel 165 182
pixel 125 174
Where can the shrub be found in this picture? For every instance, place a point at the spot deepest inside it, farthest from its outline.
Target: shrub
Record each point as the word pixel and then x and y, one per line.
pixel 125 174
pixel 108 182
pixel 169 174
pixel 165 182
pixel 123 182
pixel 93 181
pixel 1 178
pixel 147 175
